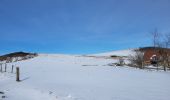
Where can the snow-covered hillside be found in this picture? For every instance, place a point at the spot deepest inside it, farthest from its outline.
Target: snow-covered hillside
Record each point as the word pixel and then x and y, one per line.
pixel 116 53
pixel 69 77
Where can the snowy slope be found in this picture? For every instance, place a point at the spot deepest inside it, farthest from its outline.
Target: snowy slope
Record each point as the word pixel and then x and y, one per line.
pixel 66 77
pixel 117 53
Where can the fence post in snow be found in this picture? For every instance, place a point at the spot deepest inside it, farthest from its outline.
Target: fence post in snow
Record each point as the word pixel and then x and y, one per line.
pixel 17 74
pixel 5 67
pixel 1 68
pixel 12 68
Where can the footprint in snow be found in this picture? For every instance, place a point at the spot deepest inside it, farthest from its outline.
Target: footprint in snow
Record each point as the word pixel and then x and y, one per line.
pixel 2 96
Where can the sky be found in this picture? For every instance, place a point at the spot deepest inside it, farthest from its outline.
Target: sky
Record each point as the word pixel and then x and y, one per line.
pixel 80 26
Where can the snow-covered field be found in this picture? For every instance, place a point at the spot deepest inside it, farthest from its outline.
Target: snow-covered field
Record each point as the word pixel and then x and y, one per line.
pixel 117 53
pixel 69 77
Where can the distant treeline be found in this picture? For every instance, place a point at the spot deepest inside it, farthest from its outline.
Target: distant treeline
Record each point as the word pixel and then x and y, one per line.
pixel 152 48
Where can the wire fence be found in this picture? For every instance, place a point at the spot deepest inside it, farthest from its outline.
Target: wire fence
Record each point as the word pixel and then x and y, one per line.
pixel 5 68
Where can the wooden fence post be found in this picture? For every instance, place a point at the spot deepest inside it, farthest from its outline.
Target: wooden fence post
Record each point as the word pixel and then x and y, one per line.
pixel 1 68
pixel 5 67
pixel 12 68
pixel 142 65
pixel 17 74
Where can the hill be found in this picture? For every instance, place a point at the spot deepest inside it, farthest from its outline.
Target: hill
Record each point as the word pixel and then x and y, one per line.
pixel 17 56
pixel 115 53
pixel 69 77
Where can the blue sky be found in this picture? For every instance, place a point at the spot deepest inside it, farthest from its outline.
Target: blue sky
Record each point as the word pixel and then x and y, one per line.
pixel 80 26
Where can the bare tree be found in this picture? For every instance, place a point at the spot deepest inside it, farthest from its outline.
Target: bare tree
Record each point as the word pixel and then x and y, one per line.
pixel 167 40
pixel 137 59
pixel 166 54
pixel 156 38
pixel 163 58
pixel 162 41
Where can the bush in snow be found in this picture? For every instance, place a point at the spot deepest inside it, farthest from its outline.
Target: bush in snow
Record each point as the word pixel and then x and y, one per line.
pixel 137 59
pixel 121 61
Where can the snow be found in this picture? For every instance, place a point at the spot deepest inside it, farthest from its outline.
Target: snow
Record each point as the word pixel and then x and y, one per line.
pixel 72 77
pixel 117 53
